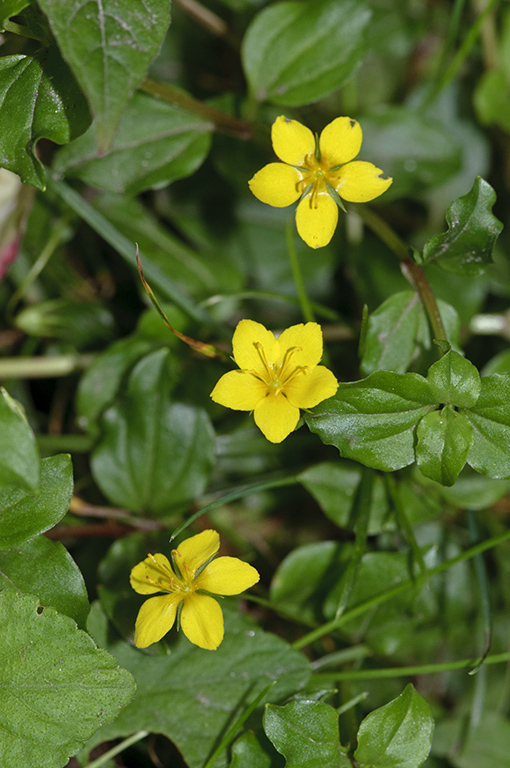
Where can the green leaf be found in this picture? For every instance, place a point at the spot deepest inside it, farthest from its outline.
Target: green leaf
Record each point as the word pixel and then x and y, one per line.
pixel 248 751
pixel 306 734
pixel 81 323
pixel 444 440
pixel 46 569
pixel 454 380
pixel 397 734
pixel 398 331
pixel 109 47
pixel 484 743
pixel 193 696
pixel 11 8
pixel 156 144
pixel 25 514
pixel 57 687
pixel 373 420
pixel 491 99
pixel 39 99
pixel 466 248
pixel 296 53
pixel 334 484
pixel 490 418
pixel 19 457
pixel 155 456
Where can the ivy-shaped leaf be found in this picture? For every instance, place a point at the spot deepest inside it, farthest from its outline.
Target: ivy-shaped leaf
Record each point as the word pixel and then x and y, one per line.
pixel 466 247
pixel 109 45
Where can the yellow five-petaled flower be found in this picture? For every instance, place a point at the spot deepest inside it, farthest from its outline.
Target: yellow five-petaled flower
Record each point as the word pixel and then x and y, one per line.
pixel 196 572
pixel 321 173
pixel 277 376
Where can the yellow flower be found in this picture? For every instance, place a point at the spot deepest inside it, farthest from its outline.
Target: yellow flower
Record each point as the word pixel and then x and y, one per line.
pixel 196 572
pixel 320 173
pixel 277 376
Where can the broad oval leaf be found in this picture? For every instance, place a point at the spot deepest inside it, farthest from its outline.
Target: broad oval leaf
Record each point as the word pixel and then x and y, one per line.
pixel 155 455
pixel 296 53
pixel 246 750
pixel 397 734
pixel 445 438
pixel 19 457
pixel 40 100
pixel 109 46
pixel 454 380
pixel 373 420
pixel 306 734
pixel 25 514
pixel 466 247
pixel 490 418
pixel 57 687
pixel 156 144
pixel 45 568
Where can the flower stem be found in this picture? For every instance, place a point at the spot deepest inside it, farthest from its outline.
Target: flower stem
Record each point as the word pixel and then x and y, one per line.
pixel 221 120
pixel 117 749
pixel 412 272
pixel 304 301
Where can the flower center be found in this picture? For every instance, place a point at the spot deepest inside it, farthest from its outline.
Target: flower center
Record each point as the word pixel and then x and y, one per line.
pixel 317 175
pixel 167 581
pixel 277 376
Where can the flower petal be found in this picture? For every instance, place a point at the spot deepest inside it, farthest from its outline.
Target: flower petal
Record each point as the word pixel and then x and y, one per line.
pixel 152 575
pixel 155 618
pixel 239 390
pixel 227 576
pixel 308 337
pixel 247 334
pixel 276 417
pixel 312 388
pixel 195 551
pixel 202 621
pixel 292 141
pixel 316 219
pixel 340 141
pixel 276 184
pixel 360 182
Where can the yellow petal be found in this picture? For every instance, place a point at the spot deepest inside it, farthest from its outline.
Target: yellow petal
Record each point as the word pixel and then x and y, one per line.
pixel 152 575
pixel 312 388
pixel 195 551
pixel 276 184
pixel 227 576
pixel 276 417
pixel 340 141
pixel 309 340
pixel 360 182
pixel 239 390
pixel 292 142
pixel 247 334
pixel 202 621
pixel 155 618
pixel 316 219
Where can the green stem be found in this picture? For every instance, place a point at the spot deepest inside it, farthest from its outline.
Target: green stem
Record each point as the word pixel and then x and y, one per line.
pixel 304 301
pixel 221 120
pixel 43 367
pixel 133 739
pixel 388 594
pixel 420 669
pixel 483 587
pixel 403 520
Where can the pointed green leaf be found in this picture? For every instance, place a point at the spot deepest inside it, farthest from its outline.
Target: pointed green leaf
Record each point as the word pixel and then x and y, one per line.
pixel 156 144
pixel 373 420
pixel 39 99
pixel 306 734
pixel 454 380
pixel 445 438
pixel 248 751
pixel 155 455
pixel 296 53
pixel 397 734
pixel 109 46
pixel 490 418
pixel 23 515
pixel 57 687
pixel 46 569
pixel 10 8
pixel 193 696
pixel 19 457
pixel 466 248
